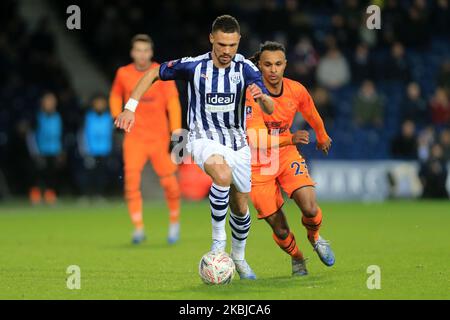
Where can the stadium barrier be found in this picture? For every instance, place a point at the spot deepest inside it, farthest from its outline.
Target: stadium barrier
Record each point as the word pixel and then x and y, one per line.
pixel 367 180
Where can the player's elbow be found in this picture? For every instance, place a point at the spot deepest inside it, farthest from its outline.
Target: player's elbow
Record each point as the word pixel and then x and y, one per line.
pixel 268 107
pixel 269 110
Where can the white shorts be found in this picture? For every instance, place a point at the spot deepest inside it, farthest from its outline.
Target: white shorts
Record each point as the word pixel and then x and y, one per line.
pixel 239 161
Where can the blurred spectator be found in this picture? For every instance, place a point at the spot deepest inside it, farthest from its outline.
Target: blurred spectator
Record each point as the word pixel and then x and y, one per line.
pixel 333 70
pixel 444 76
pixel 425 140
pixel 417 27
pixel 393 21
pixel 404 146
pixel 324 105
pixel 440 107
pixel 441 18
pixel 396 67
pixel 368 106
pixel 362 67
pixel 367 36
pixel 444 140
pixel 304 60
pixel 46 148
pixel 95 146
pixel 433 174
pixel 414 107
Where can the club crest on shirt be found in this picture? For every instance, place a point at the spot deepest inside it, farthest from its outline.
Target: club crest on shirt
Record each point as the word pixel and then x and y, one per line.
pixel 248 112
pixel 235 78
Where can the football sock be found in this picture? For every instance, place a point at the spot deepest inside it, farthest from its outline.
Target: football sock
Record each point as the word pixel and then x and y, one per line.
pixel 218 200
pixel 312 226
pixel 240 227
pixel 134 198
pixel 172 194
pixel 135 211
pixel 289 246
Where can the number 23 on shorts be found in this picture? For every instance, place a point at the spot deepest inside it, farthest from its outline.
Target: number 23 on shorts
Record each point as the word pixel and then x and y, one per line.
pixel 299 167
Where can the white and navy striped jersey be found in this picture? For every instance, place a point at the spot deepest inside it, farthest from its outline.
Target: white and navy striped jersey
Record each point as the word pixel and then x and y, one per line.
pixel 216 96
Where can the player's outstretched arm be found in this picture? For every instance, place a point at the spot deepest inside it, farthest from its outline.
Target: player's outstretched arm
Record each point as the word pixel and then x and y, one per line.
pixel 312 117
pixel 125 120
pixel 264 101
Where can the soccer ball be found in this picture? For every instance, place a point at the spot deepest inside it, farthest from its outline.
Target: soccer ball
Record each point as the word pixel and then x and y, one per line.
pixel 216 268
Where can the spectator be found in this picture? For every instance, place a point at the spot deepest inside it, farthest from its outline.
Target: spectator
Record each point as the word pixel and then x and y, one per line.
pixel 417 30
pixel 46 149
pixel 368 106
pixel 304 61
pixel 333 70
pixel 96 146
pixel 324 105
pixel 362 67
pixel 396 68
pixel 393 19
pixel 414 106
pixel 440 107
pixel 367 36
pixel 425 140
pixel 444 140
pixel 404 146
pixel 441 18
pixel 443 79
pixel 433 174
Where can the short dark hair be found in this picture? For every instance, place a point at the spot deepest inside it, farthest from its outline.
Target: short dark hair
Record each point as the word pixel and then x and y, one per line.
pixel 98 95
pixel 226 23
pixel 142 38
pixel 267 46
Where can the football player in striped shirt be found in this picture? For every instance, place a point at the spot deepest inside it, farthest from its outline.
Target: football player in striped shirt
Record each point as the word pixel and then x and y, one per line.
pixel 217 83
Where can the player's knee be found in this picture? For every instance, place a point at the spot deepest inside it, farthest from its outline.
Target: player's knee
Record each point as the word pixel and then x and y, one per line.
pixel 239 209
pixel 281 232
pixel 169 182
pixel 222 177
pixel 170 186
pixel 132 193
pixel 309 209
pixel 132 190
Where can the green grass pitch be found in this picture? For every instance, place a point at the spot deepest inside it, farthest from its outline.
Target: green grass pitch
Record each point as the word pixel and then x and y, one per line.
pixel 409 241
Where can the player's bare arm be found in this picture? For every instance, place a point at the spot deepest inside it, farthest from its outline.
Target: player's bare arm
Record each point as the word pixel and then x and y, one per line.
pixel 264 101
pixel 126 119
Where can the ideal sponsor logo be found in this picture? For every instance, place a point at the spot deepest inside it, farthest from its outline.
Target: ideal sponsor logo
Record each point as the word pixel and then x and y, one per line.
pixel 217 99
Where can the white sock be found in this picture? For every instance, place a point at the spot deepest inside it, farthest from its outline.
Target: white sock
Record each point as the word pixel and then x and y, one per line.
pixel 218 200
pixel 240 227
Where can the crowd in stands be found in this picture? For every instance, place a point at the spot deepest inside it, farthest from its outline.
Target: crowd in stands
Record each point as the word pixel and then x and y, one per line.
pixel 382 93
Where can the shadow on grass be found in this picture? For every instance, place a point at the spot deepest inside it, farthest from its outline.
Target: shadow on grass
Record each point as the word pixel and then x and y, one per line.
pixel 143 246
pixel 271 288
